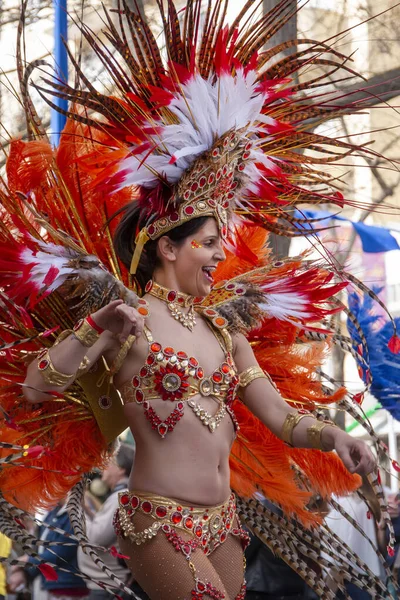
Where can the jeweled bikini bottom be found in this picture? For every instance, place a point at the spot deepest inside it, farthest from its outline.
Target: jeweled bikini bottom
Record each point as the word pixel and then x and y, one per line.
pixel 208 528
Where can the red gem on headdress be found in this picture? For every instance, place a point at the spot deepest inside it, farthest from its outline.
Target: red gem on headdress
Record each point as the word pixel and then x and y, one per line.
pixel 147 506
pixel 174 217
pixel 176 517
pixel 149 284
pixel 202 181
pixel 246 155
pixel 215 152
pixel 218 174
pixel 194 186
pixel 124 499
pixel 171 296
pixel 139 396
pixel 248 146
pixel 211 202
pixel 189 210
pixel 151 231
pixel 211 178
pixel 224 170
pixel 224 231
pixel 230 196
pixel 186 195
pixel 161 512
pixel 234 185
pixel 225 204
pixel 241 167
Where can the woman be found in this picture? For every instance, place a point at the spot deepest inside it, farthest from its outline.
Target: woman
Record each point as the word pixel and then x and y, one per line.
pixel 183 473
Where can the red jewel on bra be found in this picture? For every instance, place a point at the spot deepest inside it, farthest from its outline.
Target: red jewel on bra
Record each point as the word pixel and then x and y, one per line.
pixel 200 373
pixel 188 522
pixel 139 396
pixel 150 360
pixel 143 372
pixel 198 531
pixel 155 347
pixel 193 362
pixel 225 368
pixel 217 377
pixel 168 351
pixel 124 499
pixel 182 355
pixel 136 381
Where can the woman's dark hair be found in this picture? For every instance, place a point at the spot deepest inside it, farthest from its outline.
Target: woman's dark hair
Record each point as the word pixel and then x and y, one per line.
pixel 124 241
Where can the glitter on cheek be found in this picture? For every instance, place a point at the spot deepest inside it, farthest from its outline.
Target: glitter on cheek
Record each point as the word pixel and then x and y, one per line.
pixel 195 244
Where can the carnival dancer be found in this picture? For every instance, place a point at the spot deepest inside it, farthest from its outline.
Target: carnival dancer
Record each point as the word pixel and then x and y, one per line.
pixel 201 332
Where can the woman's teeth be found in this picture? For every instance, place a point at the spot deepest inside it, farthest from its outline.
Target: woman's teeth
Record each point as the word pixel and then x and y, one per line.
pixel 208 274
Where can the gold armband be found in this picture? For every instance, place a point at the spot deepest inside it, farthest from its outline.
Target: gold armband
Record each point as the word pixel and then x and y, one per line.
pixel 290 422
pixel 54 377
pixel 314 434
pixel 86 333
pixel 250 374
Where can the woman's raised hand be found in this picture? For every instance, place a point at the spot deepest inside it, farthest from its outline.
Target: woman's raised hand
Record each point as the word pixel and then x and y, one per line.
pixel 120 319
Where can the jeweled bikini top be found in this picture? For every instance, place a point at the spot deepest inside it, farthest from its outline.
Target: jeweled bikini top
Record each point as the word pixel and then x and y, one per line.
pixel 176 377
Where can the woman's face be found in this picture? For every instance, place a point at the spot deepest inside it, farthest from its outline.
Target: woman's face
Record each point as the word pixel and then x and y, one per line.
pixel 197 258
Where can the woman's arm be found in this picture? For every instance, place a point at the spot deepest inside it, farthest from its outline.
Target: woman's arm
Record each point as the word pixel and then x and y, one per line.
pixel 267 404
pixel 117 320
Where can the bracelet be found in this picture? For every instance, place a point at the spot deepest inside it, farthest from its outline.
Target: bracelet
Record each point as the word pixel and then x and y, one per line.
pixel 250 374
pixel 290 422
pixel 50 374
pixel 314 434
pixel 87 332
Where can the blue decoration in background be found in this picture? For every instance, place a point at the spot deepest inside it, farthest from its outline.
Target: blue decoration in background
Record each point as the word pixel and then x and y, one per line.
pixel 373 238
pixel 383 364
pixel 61 66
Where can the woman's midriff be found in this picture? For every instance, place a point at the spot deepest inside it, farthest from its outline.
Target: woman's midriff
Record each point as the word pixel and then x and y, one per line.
pixel 190 464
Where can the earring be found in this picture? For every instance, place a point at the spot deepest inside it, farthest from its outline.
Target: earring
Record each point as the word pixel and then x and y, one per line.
pixel 195 244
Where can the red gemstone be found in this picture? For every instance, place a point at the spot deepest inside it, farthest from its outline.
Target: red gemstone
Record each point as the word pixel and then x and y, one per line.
pixel 155 347
pixel 168 351
pixel 193 362
pixel 161 511
pixel 241 167
pixel 135 501
pixel 224 170
pixel 200 586
pixel 186 549
pixel 162 429
pixel 198 531
pixel 181 300
pixel 171 296
pixel 188 522
pixel 180 406
pixel 218 175
pixel 194 186
pixel 204 541
pixel 176 517
pixel 246 155
pixel 43 364
pixel 210 312
pixel 189 210
pixel 143 372
pixel 150 359
pixel 124 499
pixel 217 377
pixel 136 381
pixel 174 217
pixel 212 202
pixel 211 178
pixel 215 152
pixel 225 368
pixel 182 355
pixel 139 396
pixel 150 229
pixel 202 181
pixel 200 373
pixel 147 506
pixel 223 536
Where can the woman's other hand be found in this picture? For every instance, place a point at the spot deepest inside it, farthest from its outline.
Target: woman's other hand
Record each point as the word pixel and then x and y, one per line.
pixel 355 454
pixel 119 318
